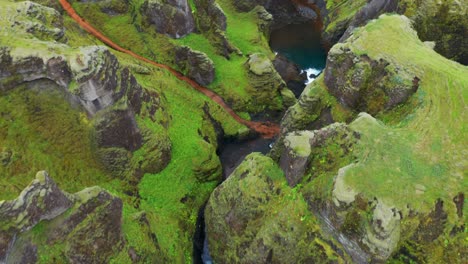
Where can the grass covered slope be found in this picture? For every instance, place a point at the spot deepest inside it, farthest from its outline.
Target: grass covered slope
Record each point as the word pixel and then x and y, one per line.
pixel 413 162
pixel 426 147
pixel 129 30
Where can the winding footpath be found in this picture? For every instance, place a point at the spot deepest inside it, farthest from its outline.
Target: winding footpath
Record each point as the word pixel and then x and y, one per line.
pixel 266 129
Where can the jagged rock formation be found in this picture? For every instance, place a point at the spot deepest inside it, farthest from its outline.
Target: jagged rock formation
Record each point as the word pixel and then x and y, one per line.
pixel 210 16
pixel 212 22
pixel 367 84
pixel 197 65
pixel 265 81
pixel 171 17
pixel 90 230
pixel 290 73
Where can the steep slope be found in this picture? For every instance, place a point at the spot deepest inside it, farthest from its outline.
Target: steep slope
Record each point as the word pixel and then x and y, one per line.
pixel 93 117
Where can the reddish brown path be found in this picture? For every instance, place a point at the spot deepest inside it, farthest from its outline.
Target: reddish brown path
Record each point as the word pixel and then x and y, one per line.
pixel 267 129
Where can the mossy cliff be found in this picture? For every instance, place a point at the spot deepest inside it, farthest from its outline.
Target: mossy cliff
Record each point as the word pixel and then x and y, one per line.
pixel 340 186
pixel 384 188
pixel 93 117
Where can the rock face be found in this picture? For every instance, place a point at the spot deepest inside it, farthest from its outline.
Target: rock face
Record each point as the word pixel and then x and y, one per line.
pixel 196 64
pixel 265 81
pixel 371 10
pixel 91 230
pixel 291 74
pixel 171 17
pixel 210 15
pixel 366 84
pixel 446 23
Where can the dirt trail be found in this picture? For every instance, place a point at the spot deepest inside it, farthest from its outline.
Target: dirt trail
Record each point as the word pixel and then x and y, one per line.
pixel 266 129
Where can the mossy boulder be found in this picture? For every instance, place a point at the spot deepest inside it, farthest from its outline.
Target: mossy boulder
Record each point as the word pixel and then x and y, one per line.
pixel 298 148
pixel 210 16
pixel 254 217
pixel 196 64
pixel 171 17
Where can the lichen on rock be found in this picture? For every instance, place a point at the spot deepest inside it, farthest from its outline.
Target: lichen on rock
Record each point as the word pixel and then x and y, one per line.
pixel 171 17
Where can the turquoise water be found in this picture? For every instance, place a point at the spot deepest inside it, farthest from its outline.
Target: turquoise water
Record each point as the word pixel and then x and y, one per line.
pixel 302 45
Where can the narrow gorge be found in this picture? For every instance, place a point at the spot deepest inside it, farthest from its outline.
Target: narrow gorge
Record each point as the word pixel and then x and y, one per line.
pixel 233 131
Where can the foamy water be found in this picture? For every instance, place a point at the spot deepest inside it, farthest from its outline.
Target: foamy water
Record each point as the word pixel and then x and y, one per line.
pixel 311 71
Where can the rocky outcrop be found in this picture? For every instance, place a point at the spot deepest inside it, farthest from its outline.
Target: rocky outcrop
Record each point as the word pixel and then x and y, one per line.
pixel 41 200
pixel 284 12
pixel 91 77
pixel 363 83
pixel 197 65
pixel 43 22
pixel 265 82
pixel 313 110
pixel 171 17
pixel 444 22
pixel 299 147
pixel 90 230
pixel 371 10
pixel 210 16
pixel 253 217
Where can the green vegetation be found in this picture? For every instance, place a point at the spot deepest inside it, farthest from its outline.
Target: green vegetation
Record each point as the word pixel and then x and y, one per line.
pixel 416 149
pixel 255 211
pixel 231 81
pixel 43 132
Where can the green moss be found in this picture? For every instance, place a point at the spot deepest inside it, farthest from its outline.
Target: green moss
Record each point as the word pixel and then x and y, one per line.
pixel 340 13
pixel 38 127
pixel 254 209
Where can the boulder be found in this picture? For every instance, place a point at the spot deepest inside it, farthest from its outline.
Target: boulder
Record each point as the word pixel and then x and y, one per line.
pixel 197 65
pixel 265 82
pixel 171 17
pixel 254 217
pixel 90 230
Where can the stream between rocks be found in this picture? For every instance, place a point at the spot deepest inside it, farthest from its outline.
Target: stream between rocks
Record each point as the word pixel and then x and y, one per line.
pixel 302 45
